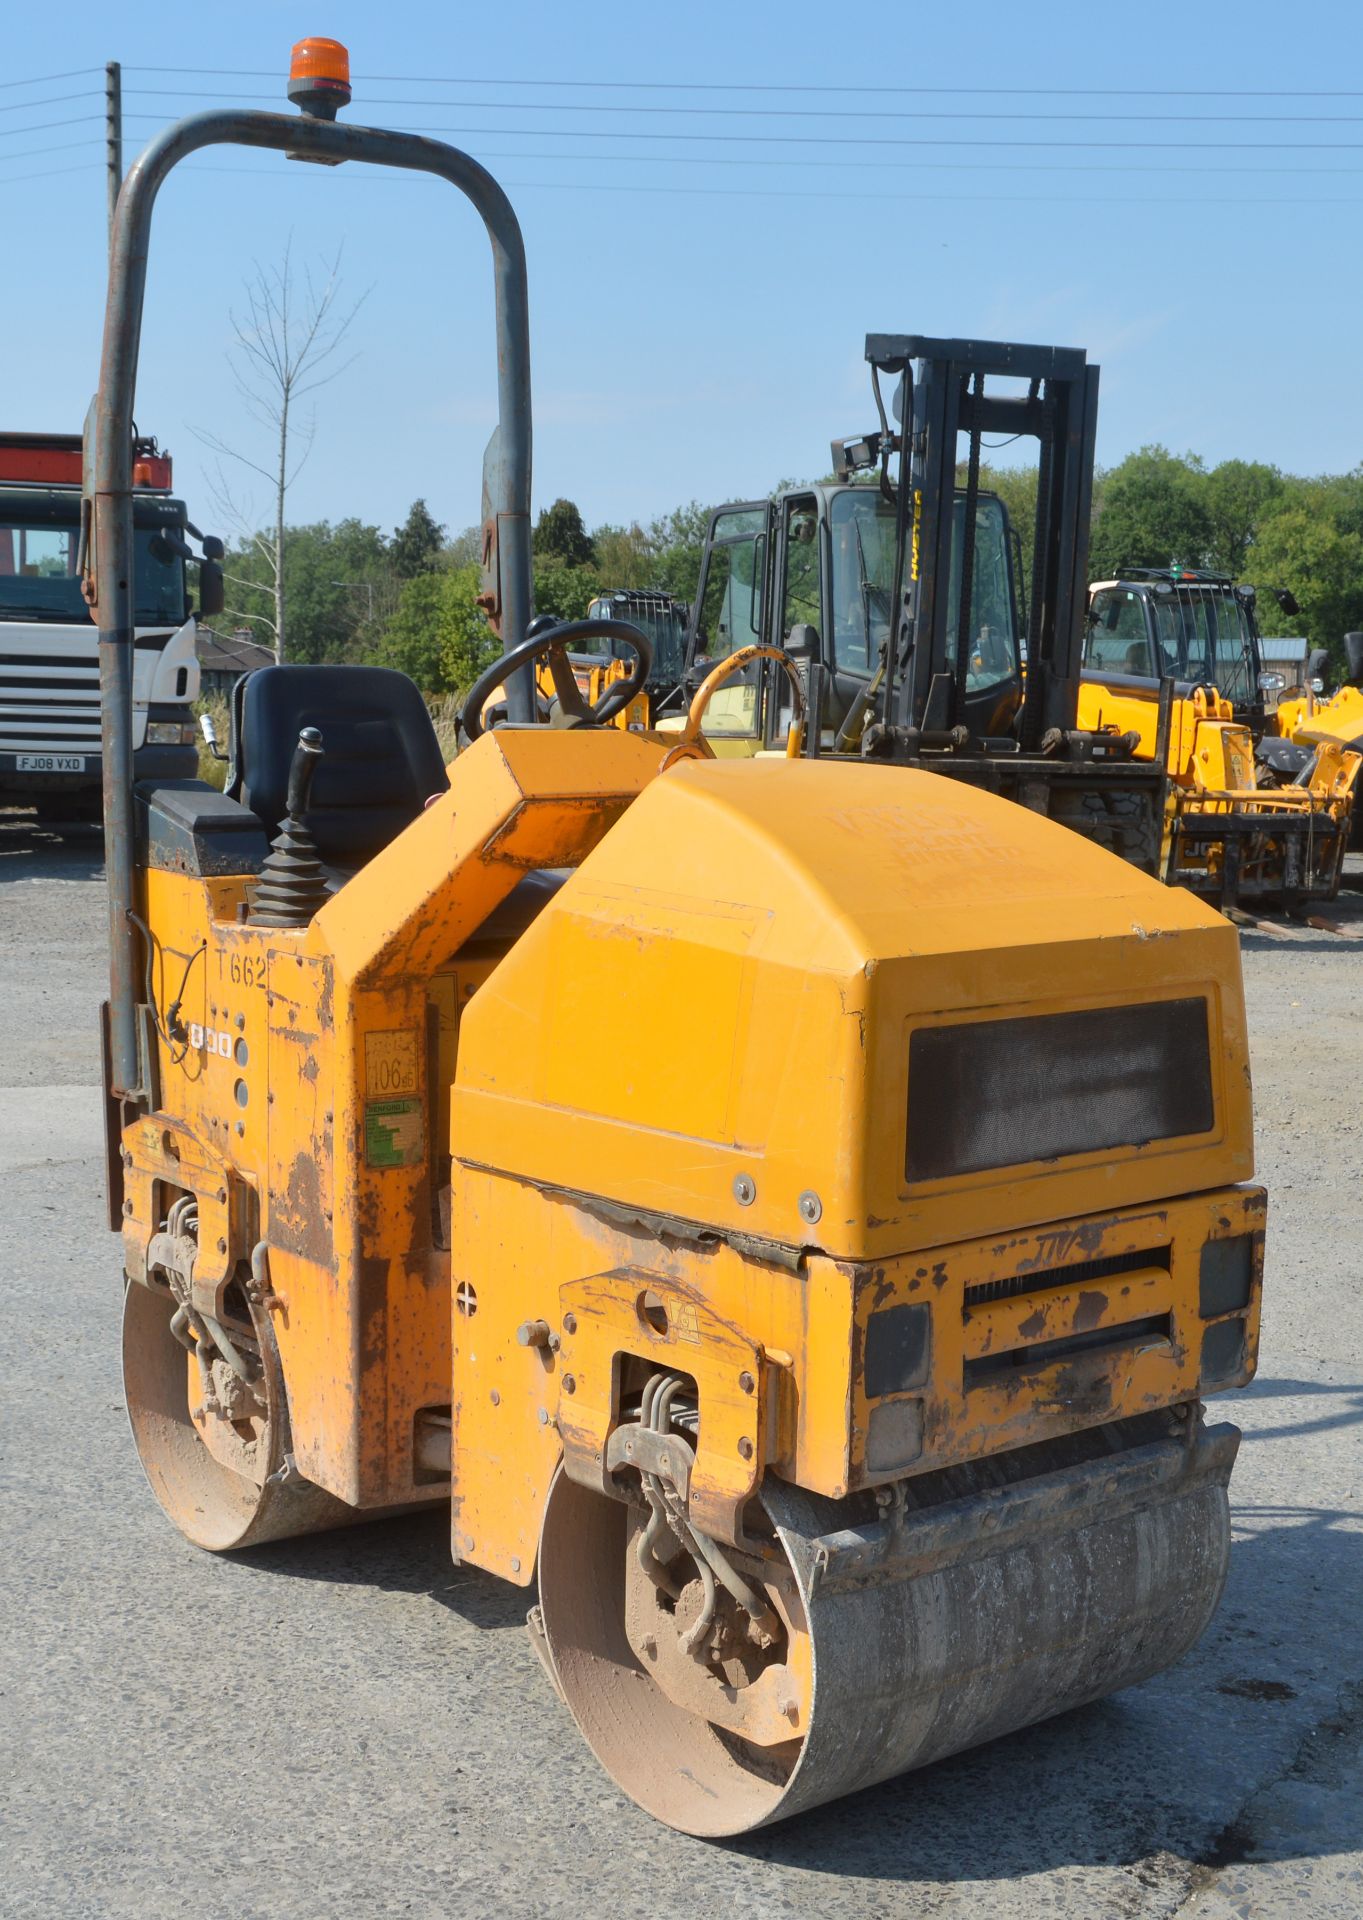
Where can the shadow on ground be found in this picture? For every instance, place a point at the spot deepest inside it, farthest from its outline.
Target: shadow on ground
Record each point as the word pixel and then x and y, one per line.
pixel 31 850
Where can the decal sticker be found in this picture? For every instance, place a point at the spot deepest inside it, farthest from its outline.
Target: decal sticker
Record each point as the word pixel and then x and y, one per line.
pixel 203 1039
pixel 391 1065
pixel 394 1133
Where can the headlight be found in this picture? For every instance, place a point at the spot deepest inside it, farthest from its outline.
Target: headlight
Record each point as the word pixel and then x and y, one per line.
pixel 171 733
pixel 1226 1276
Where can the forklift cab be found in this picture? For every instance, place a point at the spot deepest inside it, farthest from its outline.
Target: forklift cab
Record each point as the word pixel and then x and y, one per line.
pixel 813 572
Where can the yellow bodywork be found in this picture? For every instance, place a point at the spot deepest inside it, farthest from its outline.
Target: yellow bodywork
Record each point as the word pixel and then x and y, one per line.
pixel 594 679
pixel 1212 772
pixel 502 1174
pixel 1314 721
pixel 1193 753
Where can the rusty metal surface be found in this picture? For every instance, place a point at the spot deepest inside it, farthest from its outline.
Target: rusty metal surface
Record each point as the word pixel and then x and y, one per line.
pixel 109 582
pixel 221 1496
pixel 667 1323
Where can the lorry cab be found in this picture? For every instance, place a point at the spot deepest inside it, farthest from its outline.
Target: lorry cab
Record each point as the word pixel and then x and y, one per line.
pixel 50 743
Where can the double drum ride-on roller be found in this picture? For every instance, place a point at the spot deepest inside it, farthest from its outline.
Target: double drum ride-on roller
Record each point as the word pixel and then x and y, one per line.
pixel 792 1208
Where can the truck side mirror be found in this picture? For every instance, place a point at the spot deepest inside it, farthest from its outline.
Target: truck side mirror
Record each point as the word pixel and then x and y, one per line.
pixel 1353 654
pixel 212 587
pixel 1287 600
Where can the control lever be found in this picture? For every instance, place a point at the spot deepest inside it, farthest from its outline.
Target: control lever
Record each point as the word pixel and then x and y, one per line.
pixel 302 767
pixel 293 882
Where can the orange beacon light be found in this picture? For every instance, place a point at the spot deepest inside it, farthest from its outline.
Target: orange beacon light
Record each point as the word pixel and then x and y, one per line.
pixel 319 77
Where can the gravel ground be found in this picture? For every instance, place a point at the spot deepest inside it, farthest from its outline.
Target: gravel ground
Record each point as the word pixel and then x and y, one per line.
pixel 347 1725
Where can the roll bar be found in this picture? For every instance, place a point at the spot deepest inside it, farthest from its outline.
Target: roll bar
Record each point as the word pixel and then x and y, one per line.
pixel 107 513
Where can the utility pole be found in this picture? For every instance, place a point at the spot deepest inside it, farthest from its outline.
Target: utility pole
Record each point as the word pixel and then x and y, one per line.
pixel 113 135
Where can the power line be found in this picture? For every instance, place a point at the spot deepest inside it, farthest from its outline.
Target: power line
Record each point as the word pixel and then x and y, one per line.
pixel 52 100
pixel 784 113
pixel 31 153
pixel 42 79
pixel 45 126
pixel 767 193
pixel 1219 89
pixel 48 173
pixel 901 140
pixel 787 163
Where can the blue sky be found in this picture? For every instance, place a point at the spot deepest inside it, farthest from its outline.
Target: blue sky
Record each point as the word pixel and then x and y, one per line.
pixel 699 303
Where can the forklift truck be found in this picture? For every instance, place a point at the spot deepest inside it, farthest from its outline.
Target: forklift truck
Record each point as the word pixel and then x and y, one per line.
pixel 925 640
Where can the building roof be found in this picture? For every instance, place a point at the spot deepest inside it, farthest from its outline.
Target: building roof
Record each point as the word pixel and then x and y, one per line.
pixel 1284 650
pixel 231 652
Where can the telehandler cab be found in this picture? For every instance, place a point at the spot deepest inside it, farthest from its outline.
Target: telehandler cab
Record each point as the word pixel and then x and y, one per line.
pixel 836 1364
pixel 1172 658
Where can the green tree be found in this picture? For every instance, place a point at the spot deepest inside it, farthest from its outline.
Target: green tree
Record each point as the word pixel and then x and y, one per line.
pixel 1241 496
pixel 1305 551
pixel 624 556
pixel 1016 487
pixel 438 634
pixel 677 540
pixel 416 545
pixel 560 535
pixel 339 587
pixel 465 549
pixel 1153 513
pixel 566 592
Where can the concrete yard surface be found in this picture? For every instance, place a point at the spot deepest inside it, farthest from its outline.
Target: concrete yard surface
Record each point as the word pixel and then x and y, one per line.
pixel 348 1725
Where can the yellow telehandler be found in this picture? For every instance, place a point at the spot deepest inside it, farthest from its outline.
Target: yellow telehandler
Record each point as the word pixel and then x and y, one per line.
pixel 835 1365
pixel 1171 657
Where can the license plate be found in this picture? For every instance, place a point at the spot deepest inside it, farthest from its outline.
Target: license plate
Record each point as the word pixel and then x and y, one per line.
pixel 51 762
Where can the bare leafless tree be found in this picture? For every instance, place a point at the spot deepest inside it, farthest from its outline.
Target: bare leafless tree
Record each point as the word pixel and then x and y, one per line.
pixel 285 346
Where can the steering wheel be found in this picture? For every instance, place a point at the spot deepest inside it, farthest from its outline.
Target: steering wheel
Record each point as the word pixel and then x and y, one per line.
pixel 691 732
pixel 551 644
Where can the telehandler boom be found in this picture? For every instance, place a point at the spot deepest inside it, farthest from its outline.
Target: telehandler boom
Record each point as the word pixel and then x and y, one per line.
pixel 828 1334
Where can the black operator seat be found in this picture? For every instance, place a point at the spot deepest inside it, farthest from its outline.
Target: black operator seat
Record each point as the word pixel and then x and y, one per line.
pixel 381 761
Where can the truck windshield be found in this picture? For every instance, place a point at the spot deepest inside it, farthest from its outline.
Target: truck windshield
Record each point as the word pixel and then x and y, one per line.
pixel 1203 636
pixel 39 580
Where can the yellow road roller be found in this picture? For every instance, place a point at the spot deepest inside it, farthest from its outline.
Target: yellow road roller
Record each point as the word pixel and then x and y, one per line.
pixel 792 1210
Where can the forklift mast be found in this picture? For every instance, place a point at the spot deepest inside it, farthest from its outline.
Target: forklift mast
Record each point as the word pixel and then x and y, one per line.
pixel 943 395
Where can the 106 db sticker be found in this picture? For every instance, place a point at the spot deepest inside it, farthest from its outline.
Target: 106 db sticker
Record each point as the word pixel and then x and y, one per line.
pixel 394 1116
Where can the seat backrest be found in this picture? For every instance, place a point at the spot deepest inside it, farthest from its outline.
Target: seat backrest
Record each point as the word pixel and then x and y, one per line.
pixel 381 763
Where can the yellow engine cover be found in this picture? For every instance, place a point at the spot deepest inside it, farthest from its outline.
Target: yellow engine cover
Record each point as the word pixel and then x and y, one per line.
pixel 725 997
pixel 800 1046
